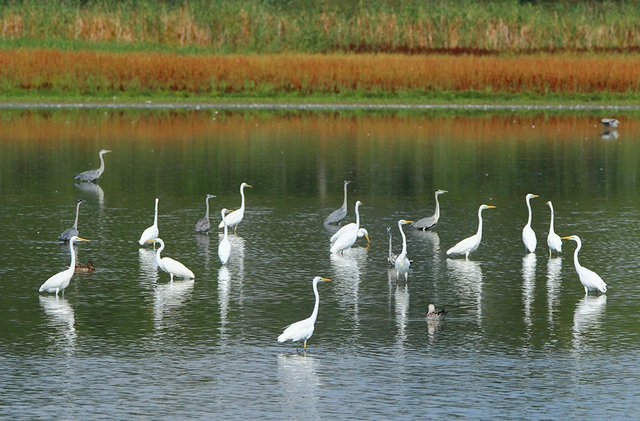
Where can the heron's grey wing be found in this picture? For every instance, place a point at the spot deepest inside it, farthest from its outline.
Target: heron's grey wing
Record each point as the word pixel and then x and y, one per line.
pixel 336 216
pixel 424 223
pixel 67 234
pixel 203 225
pixel 89 175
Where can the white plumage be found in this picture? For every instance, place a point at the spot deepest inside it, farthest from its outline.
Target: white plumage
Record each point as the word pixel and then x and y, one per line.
pixel 235 217
pixel 224 247
pixel 528 235
pixel 590 280
pixel 553 240
pixel 470 244
pixel 171 266
pixel 349 237
pixel 60 280
pixel 152 232
pixel 302 330
pixel 402 262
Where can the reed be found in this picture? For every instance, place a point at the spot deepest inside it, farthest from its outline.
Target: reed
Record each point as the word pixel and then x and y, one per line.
pixel 400 26
pixel 65 73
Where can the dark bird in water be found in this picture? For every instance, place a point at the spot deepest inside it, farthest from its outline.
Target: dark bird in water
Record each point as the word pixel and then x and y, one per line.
pixel 85 267
pixel 93 175
pixel 203 225
pixel 430 221
pixel 70 232
pixel 338 215
pixel 610 122
pixel 433 314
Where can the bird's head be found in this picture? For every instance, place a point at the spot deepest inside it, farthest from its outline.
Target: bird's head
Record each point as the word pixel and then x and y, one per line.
pixel 347 182
pixel 483 207
pixel 243 185
pixel 431 309
pixel 320 279
pixel 532 196
pixel 210 196
pixel 439 192
pixel 549 203
pixel 104 151
pixel 571 237
pixel 404 222
pixel 76 238
pixel 80 201
pixel 358 203
pixel 362 232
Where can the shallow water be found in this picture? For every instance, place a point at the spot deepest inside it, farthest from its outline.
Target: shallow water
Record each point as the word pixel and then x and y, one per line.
pixel 520 340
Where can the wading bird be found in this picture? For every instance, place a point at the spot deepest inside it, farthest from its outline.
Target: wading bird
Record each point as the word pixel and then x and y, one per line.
pixel 339 214
pixel 553 240
pixel 93 175
pixel 224 248
pixel 528 235
pixel 589 279
pixel 203 225
pixel 169 265
pixel 85 267
pixel 470 244
pixel 430 221
pixel 70 232
pixel 609 122
pixel 235 217
pixel 391 257
pixel 433 314
pixel 302 330
pixel 349 237
pixel 60 280
pixel 402 262
pixel 152 232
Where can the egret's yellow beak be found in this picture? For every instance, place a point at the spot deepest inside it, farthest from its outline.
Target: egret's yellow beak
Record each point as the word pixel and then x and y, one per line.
pixel 367 237
pixel 326 279
pixel 153 240
pixel 535 195
pixel 568 237
pixel 491 206
pixel 83 239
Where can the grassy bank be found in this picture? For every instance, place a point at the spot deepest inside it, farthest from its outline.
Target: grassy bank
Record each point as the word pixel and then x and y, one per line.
pixel 526 78
pixel 399 26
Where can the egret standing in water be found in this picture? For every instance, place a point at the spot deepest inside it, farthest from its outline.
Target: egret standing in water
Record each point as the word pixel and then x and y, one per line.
pixel 224 248
pixel 430 221
pixel 70 232
pixel 60 280
pixel 553 240
pixel 169 265
pixel 152 232
pixel 349 237
pixel 203 225
pixel 402 262
pixel 589 279
pixel 339 214
pixel 235 217
pixel 93 175
pixel 470 244
pixel 528 235
pixel 302 330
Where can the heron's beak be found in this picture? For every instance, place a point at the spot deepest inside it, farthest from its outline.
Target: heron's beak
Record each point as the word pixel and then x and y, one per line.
pixel 326 279
pixel 83 239
pixel 249 186
pixel 535 195
pixel 367 237
pixel 491 207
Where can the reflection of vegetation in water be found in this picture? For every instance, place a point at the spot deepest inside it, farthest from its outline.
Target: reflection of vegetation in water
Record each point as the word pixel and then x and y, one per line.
pixel 413 26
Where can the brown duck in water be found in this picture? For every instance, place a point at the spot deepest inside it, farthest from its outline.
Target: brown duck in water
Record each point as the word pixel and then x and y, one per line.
pixel 85 267
pixel 433 314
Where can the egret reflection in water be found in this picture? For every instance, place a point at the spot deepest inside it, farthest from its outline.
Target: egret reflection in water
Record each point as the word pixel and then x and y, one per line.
pixel 61 318
pixel 148 266
pixel 401 300
pixel 298 377
pixel 468 279
pixel 587 320
pixel 528 287
pixel 168 301
pixel 224 289
pixel 347 272
pixel 554 269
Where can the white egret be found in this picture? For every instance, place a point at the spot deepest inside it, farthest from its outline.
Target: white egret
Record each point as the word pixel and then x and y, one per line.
pixel 93 175
pixel 338 215
pixel 610 122
pixel 361 232
pixel 235 217
pixel 169 265
pixel 402 262
pixel 203 225
pixel 433 314
pixel 303 329
pixel 589 279
pixel 224 248
pixel 430 221
pixel 70 232
pixel 349 237
pixel 553 240
pixel 470 244
pixel 60 280
pixel 528 235
pixel 392 257
pixel 152 232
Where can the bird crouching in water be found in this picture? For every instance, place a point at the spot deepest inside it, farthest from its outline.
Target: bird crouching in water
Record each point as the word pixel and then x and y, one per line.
pixel 433 314
pixel 302 330
pixel 85 267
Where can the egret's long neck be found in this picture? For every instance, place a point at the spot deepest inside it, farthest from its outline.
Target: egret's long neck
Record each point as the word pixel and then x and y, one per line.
pixel 101 169
pixel 551 230
pixel 576 263
pixel 436 215
pixel 314 315
pixel 479 232
pixel 404 239
pixel 158 251
pixel 357 218
pixel 529 207
pixel 75 223
pixel 155 215
pixel 206 214
pixel 390 244
pixel 242 195
pixel 344 202
pixel 224 222
pixel 72 266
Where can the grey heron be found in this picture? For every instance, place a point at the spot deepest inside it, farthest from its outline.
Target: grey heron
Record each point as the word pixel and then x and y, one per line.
pixel 70 232
pixel 338 215
pixel 203 225
pixel 430 221
pixel 93 175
